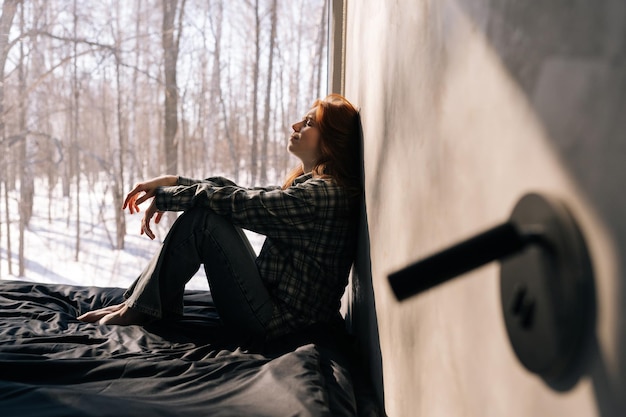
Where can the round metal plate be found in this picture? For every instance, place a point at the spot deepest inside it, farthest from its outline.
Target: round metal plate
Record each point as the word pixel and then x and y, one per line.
pixel 547 291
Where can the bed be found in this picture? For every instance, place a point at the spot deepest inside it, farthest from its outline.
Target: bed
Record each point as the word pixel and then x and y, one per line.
pixel 53 365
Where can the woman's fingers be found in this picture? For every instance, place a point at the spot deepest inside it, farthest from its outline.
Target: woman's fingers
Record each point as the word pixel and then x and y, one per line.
pixel 147 217
pixel 131 204
pixel 134 199
pixel 131 197
pixel 144 197
pixel 140 194
pixel 145 228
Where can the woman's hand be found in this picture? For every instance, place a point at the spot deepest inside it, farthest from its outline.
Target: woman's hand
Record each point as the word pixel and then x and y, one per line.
pixel 145 222
pixel 148 188
pixel 144 191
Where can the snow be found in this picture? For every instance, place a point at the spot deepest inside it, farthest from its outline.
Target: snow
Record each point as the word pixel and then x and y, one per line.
pixel 50 241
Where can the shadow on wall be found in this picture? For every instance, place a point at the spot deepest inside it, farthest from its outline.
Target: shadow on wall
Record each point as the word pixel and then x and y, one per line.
pixel 569 58
pixel 361 315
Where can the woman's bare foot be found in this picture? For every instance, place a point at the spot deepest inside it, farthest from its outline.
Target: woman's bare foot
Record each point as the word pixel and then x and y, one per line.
pixel 95 315
pixel 118 314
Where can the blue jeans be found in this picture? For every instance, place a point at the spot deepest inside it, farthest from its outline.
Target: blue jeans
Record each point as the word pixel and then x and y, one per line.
pixel 198 237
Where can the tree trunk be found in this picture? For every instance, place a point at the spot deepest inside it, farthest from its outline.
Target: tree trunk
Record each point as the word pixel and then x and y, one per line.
pixel 135 170
pixel 219 101
pixel 9 7
pixel 74 123
pixel 216 77
pixel 295 112
pixel 122 139
pixel 254 156
pixel 170 58
pixel 27 188
pixel 320 51
pixel 268 95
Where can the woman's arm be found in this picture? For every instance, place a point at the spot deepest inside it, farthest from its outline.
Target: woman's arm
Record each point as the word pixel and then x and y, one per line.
pixel 147 189
pixel 225 182
pixel 271 212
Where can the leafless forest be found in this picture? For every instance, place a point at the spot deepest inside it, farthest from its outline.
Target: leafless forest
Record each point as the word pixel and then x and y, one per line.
pixel 115 91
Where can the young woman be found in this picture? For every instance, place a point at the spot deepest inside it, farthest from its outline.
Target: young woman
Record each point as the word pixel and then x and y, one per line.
pixel 309 223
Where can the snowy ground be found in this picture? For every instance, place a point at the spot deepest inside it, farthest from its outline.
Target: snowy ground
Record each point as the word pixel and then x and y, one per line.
pixel 50 243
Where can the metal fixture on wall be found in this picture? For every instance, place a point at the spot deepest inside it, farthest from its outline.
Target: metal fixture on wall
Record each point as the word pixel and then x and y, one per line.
pixel 546 284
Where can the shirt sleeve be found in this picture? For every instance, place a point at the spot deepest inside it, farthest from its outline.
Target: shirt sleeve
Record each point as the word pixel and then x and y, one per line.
pixel 269 211
pixel 220 181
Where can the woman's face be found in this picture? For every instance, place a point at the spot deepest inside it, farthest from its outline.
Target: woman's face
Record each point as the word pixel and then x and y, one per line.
pixel 305 140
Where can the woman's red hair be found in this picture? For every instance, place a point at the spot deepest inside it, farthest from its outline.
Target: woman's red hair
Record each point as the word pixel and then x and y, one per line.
pixel 340 142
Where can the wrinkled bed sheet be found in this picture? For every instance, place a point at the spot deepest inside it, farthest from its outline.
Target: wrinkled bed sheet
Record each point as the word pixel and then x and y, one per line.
pixel 53 365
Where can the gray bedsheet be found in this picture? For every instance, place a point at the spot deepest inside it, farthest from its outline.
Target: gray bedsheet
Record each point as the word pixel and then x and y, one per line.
pixel 53 365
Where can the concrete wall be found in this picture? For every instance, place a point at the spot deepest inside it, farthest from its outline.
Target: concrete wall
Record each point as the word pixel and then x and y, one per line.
pixel 467 105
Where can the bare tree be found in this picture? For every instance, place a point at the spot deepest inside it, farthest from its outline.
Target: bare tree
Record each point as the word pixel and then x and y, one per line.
pixel 74 111
pixel 316 74
pixel 216 101
pixel 255 93
pixel 268 93
pixel 9 8
pixel 122 142
pixel 27 188
pixel 219 100
pixel 171 35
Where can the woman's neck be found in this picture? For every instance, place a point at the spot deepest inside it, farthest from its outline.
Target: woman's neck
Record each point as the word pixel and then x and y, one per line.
pixel 308 167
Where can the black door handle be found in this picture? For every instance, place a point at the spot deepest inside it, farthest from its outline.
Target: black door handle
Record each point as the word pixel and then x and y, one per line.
pixel 494 244
pixel 546 284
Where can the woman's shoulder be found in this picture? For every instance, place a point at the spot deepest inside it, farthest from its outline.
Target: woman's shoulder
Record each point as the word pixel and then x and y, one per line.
pixel 312 181
pixel 328 190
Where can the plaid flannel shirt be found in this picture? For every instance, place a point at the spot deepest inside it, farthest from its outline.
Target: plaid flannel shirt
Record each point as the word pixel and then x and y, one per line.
pixel 310 230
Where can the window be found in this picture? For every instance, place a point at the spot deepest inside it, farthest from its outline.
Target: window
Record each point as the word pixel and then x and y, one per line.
pixel 96 96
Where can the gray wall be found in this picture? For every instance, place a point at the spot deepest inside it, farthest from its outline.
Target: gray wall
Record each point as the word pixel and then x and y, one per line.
pixel 467 106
